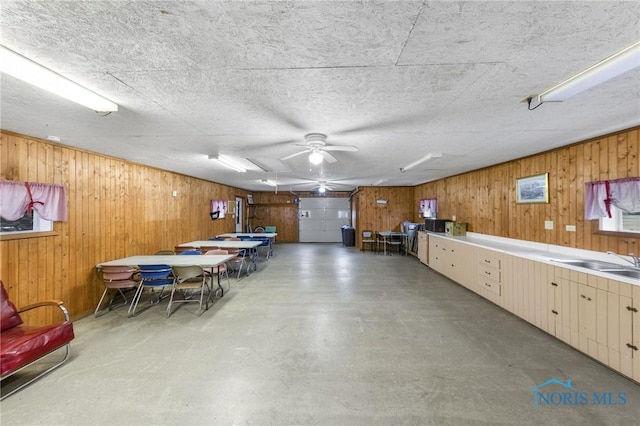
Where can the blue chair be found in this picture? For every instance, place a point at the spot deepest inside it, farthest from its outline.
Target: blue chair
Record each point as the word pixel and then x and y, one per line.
pixel 152 277
pixel 190 252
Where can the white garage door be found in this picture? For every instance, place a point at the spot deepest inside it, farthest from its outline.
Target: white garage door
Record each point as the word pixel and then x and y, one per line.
pixel 321 219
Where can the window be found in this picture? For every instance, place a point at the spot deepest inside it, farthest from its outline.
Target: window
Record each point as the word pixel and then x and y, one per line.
pixel 620 221
pixel 28 209
pixel 26 224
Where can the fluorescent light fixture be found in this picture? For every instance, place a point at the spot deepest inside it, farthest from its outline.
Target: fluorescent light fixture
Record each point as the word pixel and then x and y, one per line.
pixel 269 182
pixel 426 158
pixel 607 69
pixel 379 181
pixel 315 158
pixel 28 71
pixel 226 161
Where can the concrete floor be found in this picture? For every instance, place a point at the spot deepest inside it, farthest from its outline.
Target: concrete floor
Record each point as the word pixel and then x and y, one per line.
pixel 321 335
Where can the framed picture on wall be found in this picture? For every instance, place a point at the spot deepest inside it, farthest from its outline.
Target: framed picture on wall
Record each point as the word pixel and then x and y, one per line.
pixel 532 189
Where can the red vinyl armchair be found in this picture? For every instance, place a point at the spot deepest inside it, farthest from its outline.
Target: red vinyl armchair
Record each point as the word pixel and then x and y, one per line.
pixel 21 345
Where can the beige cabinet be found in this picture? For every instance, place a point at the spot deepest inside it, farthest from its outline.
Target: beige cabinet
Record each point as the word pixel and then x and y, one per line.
pixel 450 258
pixel 423 247
pixel 594 314
pixel 440 255
pixel 623 328
pixel 531 294
pixel 489 274
pixel 563 302
pixel 592 321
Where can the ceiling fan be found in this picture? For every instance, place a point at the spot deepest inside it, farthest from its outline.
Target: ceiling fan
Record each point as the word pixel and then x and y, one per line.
pixel 316 144
pixel 323 186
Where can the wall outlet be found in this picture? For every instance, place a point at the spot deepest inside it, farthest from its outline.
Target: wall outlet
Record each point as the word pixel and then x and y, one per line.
pixel 174 193
pixel 453 217
pixel 570 228
pixel 548 224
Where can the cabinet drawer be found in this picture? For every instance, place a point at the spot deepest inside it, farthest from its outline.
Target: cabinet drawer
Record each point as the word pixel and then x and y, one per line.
pixel 489 273
pixel 492 261
pixel 490 285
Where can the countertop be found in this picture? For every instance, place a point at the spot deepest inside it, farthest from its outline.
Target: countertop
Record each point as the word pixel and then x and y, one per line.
pixel 546 253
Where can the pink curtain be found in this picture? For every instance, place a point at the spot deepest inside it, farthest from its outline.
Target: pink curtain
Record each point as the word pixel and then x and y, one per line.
pixel 621 193
pixel 18 198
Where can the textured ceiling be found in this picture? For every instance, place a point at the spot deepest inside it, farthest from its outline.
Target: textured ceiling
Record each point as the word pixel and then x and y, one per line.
pixel 398 80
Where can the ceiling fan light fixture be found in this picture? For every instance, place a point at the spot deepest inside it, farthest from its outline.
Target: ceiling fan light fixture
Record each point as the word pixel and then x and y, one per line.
pixel 228 162
pixel 322 189
pixel 24 69
pixel 315 158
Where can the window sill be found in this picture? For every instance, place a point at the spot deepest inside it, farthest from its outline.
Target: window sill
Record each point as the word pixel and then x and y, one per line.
pixel 7 237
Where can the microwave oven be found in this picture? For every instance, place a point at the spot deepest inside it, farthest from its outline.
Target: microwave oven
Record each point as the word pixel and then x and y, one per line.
pixel 435 225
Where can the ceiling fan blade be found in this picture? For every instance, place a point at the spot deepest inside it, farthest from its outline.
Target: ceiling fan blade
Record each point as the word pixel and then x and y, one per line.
pixel 328 157
pixel 340 148
pixel 295 155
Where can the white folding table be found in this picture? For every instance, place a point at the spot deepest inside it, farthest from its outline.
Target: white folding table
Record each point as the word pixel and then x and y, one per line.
pixel 249 246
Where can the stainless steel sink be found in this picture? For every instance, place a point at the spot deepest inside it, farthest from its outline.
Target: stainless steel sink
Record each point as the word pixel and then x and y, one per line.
pixel 589 264
pixel 598 265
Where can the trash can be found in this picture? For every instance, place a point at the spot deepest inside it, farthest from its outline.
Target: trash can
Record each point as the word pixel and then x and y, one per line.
pixel 348 236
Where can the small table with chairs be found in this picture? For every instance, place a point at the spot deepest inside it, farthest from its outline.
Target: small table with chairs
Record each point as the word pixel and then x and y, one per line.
pixel 164 271
pixel 245 246
pixel 268 236
pixel 391 238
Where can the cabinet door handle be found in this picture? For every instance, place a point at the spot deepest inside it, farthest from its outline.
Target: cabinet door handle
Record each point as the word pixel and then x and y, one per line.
pixel 554 311
pixel 487 284
pixel 487 272
pixel 487 261
pixel 630 346
pixel 585 297
pixel 554 284
pixel 632 309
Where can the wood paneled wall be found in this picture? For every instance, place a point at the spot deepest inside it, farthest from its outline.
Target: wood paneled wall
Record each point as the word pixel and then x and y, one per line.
pixel 368 215
pixel 486 198
pixel 116 209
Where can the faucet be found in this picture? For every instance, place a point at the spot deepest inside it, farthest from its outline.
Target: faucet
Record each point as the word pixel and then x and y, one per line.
pixel 635 260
